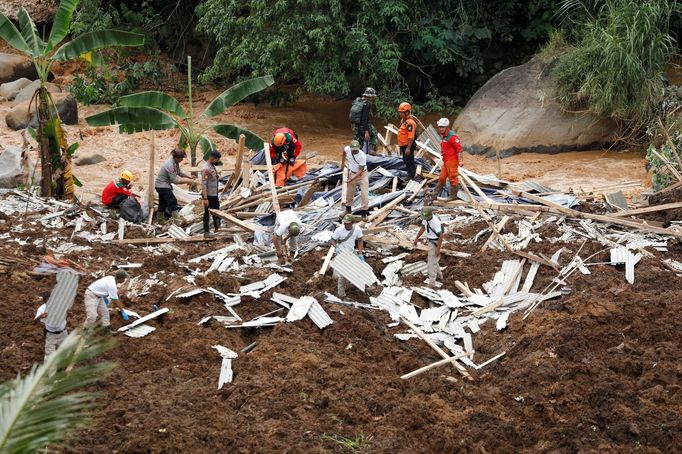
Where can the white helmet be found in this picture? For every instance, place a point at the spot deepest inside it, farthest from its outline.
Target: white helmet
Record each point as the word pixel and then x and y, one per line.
pixel 443 122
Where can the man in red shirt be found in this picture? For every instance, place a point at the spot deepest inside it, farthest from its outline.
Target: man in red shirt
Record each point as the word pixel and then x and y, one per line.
pixel 117 191
pixel 284 149
pixel 451 152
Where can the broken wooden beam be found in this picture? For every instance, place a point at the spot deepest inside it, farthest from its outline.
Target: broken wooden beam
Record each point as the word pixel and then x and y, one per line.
pixel 233 220
pixel 442 362
pixel 163 240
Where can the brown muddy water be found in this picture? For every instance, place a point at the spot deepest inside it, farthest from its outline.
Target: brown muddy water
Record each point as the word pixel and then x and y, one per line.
pixel 323 127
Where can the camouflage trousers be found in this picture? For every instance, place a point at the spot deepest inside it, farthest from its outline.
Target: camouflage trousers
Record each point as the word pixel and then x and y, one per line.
pixel 360 136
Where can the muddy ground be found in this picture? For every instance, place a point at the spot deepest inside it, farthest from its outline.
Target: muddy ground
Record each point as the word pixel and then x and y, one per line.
pixel 597 370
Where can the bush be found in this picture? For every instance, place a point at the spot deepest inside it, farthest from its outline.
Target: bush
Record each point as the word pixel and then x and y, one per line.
pixel 662 176
pixel 615 68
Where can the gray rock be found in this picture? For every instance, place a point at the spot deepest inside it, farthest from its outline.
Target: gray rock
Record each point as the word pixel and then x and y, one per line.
pixel 27 92
pixel 515 112
pixel 90 160
pixel 11 171
pixel 9 90
pixel 13 67
pixel 20 117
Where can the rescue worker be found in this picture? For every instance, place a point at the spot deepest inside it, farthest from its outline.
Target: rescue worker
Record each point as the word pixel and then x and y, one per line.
pixel 346 238
pixel 451 152
pixel 287 228
pixel 209 191
pixel 170 173
pixel 434 236
pixel 117 191
pixel 284 151
pixel 406 138
pixel 364 132
pixel 98 296
pixel 54 335
pixel 356 161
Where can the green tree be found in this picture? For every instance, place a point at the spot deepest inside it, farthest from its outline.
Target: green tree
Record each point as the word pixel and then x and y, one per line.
pixel 615 66
pixel 154 110
pixel 55 154
pixel 42 408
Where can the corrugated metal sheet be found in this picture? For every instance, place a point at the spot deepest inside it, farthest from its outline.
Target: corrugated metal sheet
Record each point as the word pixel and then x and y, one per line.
pixel 357 272
pixel 299 309
pixel 144 319
pixel 140 331
pixel 176 232
pixel 62 297
pixel 318 315
pixel 414 268
pixel 256 288
pixel 191 293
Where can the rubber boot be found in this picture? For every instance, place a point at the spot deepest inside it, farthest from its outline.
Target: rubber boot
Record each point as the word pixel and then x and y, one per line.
pixel 364 215
pixel 216 224
pixel 160 218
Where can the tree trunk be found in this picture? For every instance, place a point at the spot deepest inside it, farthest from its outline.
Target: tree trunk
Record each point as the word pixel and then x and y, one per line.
pixel 43 142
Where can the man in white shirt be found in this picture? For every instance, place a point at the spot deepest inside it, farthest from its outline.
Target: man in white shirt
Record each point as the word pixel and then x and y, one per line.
pixel 356 161
pixel 54 335
pixel 99 295
pixel 345 238
pixel 287 227
pixel 434 235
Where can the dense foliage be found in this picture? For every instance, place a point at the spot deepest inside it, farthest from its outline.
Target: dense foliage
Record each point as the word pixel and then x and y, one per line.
pixel 404 48
pixel 616 64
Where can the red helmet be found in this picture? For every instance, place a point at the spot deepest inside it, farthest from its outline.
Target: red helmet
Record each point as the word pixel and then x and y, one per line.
pixel 404 107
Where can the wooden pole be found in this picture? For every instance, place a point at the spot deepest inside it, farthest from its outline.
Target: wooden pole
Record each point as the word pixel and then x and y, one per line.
pixel 499 164
pixel 150 177
pixel 436 348
pixel 232 182
pixel 271 177
pixel 670 143
pixel 442 362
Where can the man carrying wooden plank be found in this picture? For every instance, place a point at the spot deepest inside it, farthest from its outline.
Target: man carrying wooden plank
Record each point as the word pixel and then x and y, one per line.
pixel 434 236
pixel 346 238
pixel 287 228
pixel 170 173
pixel 356 161
pixel 284 150
pixel 98 296
pixel 209 191
pixel 451 152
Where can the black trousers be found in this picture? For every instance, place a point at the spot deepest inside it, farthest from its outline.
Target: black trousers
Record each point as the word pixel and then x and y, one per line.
pixel 117 201
pixel 408 159
pixel 213 203
pixel 167 201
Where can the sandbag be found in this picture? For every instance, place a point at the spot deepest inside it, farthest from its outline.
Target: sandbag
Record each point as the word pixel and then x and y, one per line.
pixel 132 211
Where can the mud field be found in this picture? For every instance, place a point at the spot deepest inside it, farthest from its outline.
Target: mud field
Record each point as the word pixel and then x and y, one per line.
pixel 597 370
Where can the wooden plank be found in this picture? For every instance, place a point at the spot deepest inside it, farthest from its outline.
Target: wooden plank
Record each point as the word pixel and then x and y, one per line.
pixel 500 226
pixel 395 184
pixel 385 209
pixel 236 173
pixel 475 187
pixel 436 348
pixel 651 209
pixel 163 240
pixel 271 178
pixel 233 220
pixel 667 163
pixel 416 192
pixel 463 288
pixel 535 258
pixel 442 362
pixel 327 259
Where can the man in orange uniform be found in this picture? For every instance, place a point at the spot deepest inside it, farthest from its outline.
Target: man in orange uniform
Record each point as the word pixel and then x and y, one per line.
pixel 406 138
pixel 284 149
pixel 451 152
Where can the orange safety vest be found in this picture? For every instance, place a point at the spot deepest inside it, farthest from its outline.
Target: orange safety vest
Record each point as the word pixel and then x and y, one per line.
pixel 406 131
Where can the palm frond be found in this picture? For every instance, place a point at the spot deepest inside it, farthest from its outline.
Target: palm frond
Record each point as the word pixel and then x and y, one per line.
pixel 41 408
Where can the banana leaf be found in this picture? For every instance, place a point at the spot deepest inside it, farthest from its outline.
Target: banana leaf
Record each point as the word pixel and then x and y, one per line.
pixel 236 93
pixel 88 42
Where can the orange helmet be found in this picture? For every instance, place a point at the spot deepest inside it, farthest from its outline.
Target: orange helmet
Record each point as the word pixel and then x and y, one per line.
pixel 279 139
pixel 404 107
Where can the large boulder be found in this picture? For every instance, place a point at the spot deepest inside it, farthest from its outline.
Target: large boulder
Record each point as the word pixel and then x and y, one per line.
pixel 28 91
pixel 13 67
pixel 515 112
pixel 9 90
pixel 12 169
pixel 20 117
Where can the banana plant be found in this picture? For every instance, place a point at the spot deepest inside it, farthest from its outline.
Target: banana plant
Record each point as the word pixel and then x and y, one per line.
pixel 155 110
pixel 55 154
pixel 43 407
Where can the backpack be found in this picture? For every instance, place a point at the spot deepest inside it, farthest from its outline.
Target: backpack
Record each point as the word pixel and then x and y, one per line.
pixel 355 115
pixel 131 211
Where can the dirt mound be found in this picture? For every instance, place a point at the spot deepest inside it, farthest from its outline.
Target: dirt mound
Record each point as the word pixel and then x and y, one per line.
pixel 595 370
